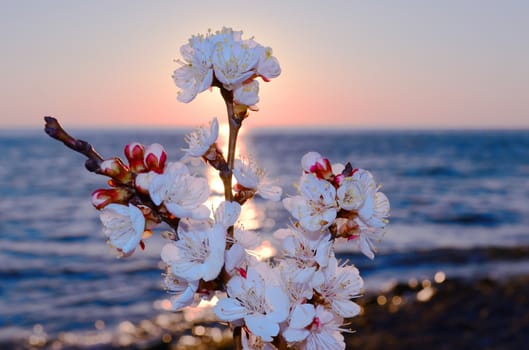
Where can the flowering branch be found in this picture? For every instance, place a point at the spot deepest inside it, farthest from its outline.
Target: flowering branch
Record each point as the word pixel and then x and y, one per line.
pixel 302 298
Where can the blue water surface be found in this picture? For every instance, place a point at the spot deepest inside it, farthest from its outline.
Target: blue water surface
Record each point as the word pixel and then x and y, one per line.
pixel 459 204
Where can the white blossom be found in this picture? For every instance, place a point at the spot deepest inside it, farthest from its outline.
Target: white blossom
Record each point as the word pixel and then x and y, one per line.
pixel 268 66
pixel 123 226
pixel 367 236
pixel 350 194
pixel 201 139
pixel 262 305
pixel 359 192
pixel 301 317
pixel 337 286
pixel 196 254
pixel 375 208
pixel 315 328
pixel 299 292
pixel 249 175
pixel 195 73
pixel 234 62
pixel 182 194
pixel 316 207
pixel 304 256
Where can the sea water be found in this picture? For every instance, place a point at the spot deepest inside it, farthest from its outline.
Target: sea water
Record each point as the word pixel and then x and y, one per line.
pixel 459 205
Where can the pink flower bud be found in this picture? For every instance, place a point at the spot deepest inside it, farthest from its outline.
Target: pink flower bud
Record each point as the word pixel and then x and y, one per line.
pixel 155 157
pixel 135 154
pixel 116 169
pixel 102 197
pixel 313 162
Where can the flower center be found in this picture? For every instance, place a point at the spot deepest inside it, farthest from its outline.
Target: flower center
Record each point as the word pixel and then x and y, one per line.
pixel 194 252
pixel 254 301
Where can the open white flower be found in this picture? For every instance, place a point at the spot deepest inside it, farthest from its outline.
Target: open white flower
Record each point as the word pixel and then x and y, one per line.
pixel 234 62
pixel 123 226
pixel 316 208
pixel 351 195
pixel 268 66
pixel 315 328
pixel 263 306
pixel 359 193
pixel 196 72
pixel 201 139
pixel 224 57
pixel 298 292
pixel 182 194
pixel 196 254
pixel 305 256
pixel 367 237
pixel 249 175
pixel 374 209
pixel 337 286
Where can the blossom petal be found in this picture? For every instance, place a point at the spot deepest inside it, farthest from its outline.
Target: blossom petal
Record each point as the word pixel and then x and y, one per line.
pixel 234 257
pixel 346 308
pixel 227 213
pixel 366 247
pixel 185 299
pixel 229 309
pixel 302 316
pixel 280 303
pixel 214 262
pixel 258 325
pixel 270 192
pixel 295 335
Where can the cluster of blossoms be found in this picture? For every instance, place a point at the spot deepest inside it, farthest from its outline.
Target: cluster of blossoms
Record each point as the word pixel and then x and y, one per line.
pixel 340 199
pixel 304 296
pixel 224 59
pixel 300 298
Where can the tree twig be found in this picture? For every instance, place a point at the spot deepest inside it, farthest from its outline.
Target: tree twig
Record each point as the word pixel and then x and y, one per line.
pixel 56 131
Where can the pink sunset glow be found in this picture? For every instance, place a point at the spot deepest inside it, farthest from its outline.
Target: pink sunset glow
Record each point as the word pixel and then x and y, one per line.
pixel 344 64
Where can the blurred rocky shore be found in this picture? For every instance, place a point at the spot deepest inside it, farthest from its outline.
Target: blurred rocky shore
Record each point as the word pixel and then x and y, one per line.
pixel 441 313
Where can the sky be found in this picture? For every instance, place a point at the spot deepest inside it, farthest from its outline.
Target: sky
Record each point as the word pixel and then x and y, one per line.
pixel 355 64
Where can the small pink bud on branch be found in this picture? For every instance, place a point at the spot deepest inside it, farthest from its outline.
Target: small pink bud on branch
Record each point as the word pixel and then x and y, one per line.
pixel 135 153
pixel 102 197
pixel 116 169
pixel 155 157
